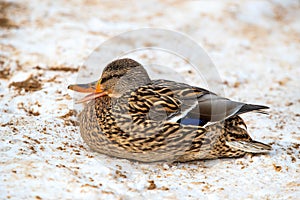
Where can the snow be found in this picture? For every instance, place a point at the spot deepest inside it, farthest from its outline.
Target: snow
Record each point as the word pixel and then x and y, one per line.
pixel 255 46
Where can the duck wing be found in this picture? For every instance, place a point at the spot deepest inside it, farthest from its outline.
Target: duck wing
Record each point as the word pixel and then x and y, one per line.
pixel 164 100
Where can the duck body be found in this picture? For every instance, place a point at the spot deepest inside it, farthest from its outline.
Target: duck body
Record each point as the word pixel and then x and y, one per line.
pixel 161 120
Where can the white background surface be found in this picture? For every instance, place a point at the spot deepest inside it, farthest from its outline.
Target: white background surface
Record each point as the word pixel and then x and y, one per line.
pixel 254 44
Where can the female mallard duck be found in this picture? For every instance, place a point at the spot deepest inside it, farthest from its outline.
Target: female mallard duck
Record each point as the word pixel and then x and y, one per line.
pixel 130 116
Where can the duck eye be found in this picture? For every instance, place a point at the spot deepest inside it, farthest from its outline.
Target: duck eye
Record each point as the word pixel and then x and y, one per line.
pixel 104 79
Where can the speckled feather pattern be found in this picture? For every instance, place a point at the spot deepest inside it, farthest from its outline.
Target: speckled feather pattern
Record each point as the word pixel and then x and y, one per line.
pixel 145 140
pixel 140 119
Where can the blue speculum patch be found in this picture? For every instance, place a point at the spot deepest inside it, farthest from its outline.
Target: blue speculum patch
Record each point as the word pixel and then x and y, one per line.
pixel 191 121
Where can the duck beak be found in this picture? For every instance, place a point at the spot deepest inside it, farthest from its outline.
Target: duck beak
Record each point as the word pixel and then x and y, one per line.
pixel 94 88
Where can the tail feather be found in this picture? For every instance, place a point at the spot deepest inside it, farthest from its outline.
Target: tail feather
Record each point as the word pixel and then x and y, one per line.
pixel 251 107
pixel 250 146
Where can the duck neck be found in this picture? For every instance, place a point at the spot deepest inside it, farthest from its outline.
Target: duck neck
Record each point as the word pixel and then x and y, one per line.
pixel 131 81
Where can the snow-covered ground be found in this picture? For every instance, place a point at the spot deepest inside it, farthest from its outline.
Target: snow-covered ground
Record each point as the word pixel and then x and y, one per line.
pixel 255 46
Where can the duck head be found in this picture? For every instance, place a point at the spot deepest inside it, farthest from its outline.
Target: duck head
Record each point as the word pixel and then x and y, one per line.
pixel 117 78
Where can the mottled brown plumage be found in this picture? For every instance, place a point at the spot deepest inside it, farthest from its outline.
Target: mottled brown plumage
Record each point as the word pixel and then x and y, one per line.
pixel 129 116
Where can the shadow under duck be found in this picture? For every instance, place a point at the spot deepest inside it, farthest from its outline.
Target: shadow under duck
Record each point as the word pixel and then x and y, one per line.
pixel 128 115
